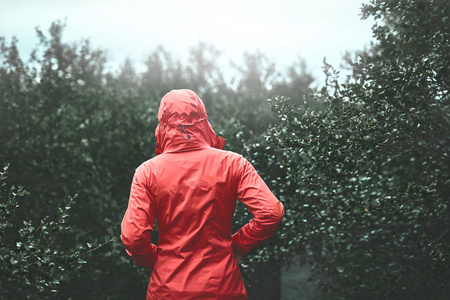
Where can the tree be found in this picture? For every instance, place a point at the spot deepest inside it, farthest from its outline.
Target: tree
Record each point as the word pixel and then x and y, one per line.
pixel 163 73
pixel 31 264
pixel 66 125
pixel 367 180
pixel 72 126
pixel 295 85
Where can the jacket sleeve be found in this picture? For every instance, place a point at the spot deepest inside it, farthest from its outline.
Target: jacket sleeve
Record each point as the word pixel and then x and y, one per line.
pixel 265 207
pixel 138 222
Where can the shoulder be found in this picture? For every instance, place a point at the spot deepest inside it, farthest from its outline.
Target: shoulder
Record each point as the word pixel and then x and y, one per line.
pixel 230 155
pixel 145 174
pixel 147 167
pixel 152 162
pixel 238 163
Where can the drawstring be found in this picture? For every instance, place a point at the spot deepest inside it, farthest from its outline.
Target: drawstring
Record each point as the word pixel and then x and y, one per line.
pixel 184 129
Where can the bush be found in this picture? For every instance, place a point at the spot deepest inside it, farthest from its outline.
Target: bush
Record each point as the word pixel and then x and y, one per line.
pixel 31 264
pixel 367 182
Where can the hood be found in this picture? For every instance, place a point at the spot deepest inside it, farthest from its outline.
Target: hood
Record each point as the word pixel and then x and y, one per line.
pixel 183 124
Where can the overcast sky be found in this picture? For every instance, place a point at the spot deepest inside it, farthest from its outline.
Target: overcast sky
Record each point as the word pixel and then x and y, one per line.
pixel 282 29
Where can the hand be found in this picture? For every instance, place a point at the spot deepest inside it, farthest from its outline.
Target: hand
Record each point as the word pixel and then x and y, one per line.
pixel 237 255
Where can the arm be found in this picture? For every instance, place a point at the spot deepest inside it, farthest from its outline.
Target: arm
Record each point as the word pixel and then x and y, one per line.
pixel 137 224
pixel 265 207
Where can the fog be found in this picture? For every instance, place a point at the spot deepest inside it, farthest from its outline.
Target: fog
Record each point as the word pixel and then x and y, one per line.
pixel 284 30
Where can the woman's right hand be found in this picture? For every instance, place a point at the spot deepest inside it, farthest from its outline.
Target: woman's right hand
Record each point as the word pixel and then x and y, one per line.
pixel 237 255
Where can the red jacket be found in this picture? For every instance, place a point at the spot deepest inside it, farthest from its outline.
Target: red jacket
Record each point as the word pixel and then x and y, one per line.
pixel 191 188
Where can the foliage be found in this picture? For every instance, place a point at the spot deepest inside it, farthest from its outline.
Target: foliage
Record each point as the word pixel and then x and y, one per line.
pixel 366 181
pixel 31 265
pixel 66 121
pixel 79 127
pixel 362 167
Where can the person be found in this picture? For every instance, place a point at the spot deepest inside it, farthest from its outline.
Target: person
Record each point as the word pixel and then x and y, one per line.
pixel 190 187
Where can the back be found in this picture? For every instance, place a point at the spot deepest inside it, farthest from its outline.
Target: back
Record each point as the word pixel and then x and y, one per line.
pixel 195 201
pixel 190 188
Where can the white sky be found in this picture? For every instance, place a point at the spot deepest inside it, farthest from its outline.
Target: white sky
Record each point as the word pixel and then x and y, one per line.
pixel 284 30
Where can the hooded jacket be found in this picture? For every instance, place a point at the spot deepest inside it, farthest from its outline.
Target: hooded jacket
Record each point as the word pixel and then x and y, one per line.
pixel 190 187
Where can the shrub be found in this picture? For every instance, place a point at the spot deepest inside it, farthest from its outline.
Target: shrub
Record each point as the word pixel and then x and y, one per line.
pixel 31 264
pixel 367 181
